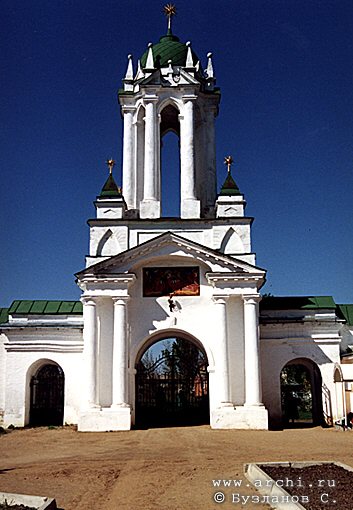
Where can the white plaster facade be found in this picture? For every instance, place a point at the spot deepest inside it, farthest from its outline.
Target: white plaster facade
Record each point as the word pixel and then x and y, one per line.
pixel 98 351
pixel 228 298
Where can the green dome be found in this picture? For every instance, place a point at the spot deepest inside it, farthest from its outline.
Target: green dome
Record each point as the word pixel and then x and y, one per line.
pixel 169 47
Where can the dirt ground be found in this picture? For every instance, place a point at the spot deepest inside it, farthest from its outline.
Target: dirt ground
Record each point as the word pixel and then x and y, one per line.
pixel 159 469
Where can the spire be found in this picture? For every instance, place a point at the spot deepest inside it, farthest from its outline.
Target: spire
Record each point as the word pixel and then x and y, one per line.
pixel 110 188
pixel 140 73
pixel 209 70
pixel 130 71
pixel 210 78
pixel 189 60
pixel 150 61
pixel 129 76
pixel 229 187
pixel 170 11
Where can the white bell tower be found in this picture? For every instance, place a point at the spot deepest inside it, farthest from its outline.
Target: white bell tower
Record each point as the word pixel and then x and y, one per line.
pixel 169 91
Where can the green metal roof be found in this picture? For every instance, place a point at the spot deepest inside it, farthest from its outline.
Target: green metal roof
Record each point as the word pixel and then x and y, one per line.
pixel 169 47
pixel 346 312
pixel 42 307
pixel 229 187
pixel 4 315
pixel 110 188
pixel 297 303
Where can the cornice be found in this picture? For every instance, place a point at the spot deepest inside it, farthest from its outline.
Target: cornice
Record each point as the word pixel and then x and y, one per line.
pixel 123 279
pixel 21 326
pixel 73 347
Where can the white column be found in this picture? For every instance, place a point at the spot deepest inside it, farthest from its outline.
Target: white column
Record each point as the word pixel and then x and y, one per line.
pixel 150 206
pixel 120 354
pixel 158 159
pixel 222 365
pixel 90 350
pixel 190 205
pixel 128 158
pixel 252 358
pixel 150 184
pixel 187 152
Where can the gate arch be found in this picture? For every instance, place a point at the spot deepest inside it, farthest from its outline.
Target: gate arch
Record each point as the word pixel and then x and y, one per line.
pixel 171 385
pixel 301 393
pixel 47 386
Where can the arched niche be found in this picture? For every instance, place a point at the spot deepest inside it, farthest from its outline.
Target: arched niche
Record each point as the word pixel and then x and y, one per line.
pixel 232 243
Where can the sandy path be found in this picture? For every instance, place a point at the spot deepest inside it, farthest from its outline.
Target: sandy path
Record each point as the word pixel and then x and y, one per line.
pixel 159 469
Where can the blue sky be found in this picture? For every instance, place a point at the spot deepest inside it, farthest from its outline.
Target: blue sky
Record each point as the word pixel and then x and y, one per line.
pixel 285 72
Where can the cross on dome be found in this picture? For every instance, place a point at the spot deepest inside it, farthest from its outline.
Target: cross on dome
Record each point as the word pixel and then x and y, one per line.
pixel 228 160
pixel 170 11
pixel 110 163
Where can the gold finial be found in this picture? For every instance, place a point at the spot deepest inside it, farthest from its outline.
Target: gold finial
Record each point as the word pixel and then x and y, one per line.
pixel 170 11
pixel 111 164
pixel 228 160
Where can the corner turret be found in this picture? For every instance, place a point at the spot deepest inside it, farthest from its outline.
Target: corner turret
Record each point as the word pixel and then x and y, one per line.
pixel 110 203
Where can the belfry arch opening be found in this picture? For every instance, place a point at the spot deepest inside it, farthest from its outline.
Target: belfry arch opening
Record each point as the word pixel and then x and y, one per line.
pixel 170 161
pixel 301 394
pixel 172 384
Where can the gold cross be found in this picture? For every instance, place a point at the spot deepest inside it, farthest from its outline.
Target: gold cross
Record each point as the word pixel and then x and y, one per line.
pixel 170 11
pixel 228 160
pixel 111 164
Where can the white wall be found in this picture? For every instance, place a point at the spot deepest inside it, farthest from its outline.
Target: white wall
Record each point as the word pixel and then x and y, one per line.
pixel 126 236
pixel 27 350
pixel 281 343
pixel 2 377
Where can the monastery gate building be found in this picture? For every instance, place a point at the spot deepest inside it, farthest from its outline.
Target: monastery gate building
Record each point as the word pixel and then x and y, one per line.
pixel 171 328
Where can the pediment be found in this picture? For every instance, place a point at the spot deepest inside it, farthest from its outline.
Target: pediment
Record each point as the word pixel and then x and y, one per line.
pixel 168 80
pixel 169 248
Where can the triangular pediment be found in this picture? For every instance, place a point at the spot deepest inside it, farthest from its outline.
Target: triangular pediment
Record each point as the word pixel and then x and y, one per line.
pixel 168 80
pixel 169 248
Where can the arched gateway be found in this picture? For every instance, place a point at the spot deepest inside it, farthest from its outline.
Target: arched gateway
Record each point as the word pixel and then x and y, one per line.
pixel 47 396
pixel 172 384
pixel 301 391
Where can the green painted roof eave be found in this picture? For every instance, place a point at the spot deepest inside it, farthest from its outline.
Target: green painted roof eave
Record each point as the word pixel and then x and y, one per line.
pixel 4 315
pixel 346 313
pixel 45 307
pixel 297 303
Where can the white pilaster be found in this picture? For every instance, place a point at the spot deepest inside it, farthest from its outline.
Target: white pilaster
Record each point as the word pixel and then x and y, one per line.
pixel 210 159
pixel 190 206
pixel 120 354
pixel 252 361
pixel 90 351
pixel 128 158
pixel 222 365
